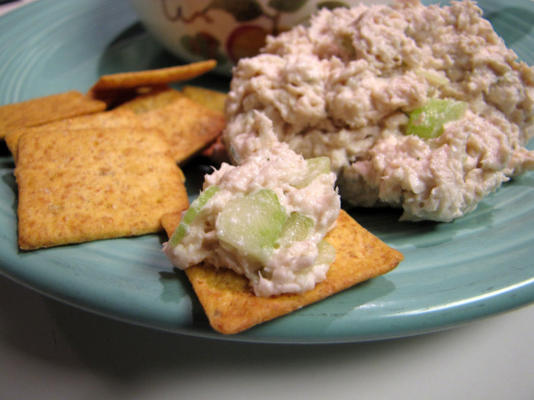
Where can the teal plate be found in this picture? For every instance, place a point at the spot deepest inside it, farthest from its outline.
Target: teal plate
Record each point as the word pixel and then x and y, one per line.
pixel 479 265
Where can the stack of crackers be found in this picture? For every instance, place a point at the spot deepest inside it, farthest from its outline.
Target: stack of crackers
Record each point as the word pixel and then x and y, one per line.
pixel 106 164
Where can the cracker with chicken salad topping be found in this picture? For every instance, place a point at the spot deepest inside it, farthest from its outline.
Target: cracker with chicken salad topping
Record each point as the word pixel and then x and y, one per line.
pixel 268 237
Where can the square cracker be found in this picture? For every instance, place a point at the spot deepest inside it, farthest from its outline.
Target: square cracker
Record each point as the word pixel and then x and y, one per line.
pixel 212 99
pixel 231 307
pixel 45 109
pixel 187 126
pixel 114 119
pixel 82 185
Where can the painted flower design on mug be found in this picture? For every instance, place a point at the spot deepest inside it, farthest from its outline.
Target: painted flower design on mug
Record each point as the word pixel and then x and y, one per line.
pixel 244 40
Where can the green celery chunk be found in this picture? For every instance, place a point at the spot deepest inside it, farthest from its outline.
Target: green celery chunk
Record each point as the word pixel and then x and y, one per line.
pixel 252 224
pixel 327 253
pixel 191 214
pixel 315 167
pixel 297 228
pixel 427 121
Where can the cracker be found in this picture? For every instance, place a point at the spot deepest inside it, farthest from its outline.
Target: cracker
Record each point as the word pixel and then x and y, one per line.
pixel 154 99
pixel 153 77
pixel 188 126
pixel 89 184
pixel 45 109
pixel 122 118
pixel 212 99
pixel 231 307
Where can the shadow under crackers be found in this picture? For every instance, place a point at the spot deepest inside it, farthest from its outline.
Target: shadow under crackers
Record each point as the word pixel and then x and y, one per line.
pixel 171 282
pixel 4 150
pixel 8 178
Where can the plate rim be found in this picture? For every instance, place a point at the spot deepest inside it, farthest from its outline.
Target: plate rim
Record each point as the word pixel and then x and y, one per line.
pixel 492 304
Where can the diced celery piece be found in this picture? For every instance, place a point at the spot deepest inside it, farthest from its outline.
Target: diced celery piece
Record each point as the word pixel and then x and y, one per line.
pixel 191 214
pixel 198 203
pixel 179 233
pixel 315 167
pixel 432 77
pixel 252 224
pixel 427 121
pixel 327 253
pixel 297 228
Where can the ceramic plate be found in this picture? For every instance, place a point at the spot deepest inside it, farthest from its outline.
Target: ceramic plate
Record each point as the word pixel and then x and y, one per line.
pixel 476 266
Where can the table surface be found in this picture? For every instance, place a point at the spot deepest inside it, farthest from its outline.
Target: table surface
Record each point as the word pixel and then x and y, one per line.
pixel 49 350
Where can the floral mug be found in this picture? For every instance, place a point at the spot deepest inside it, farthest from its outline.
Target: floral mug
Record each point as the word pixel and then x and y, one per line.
pixel 224 30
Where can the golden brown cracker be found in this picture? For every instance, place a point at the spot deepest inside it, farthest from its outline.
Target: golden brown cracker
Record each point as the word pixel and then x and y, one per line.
pixel 154 99
pixel 212 99
pixel 153 77
pixel 45 109
pixel 188 126
pixel 231 307
pixel 107 119
pixel 78 148
pixel 83 185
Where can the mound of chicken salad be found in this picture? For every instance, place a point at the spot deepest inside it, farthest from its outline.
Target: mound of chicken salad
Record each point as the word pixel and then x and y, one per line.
pixel 265 219
pixel 420 108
